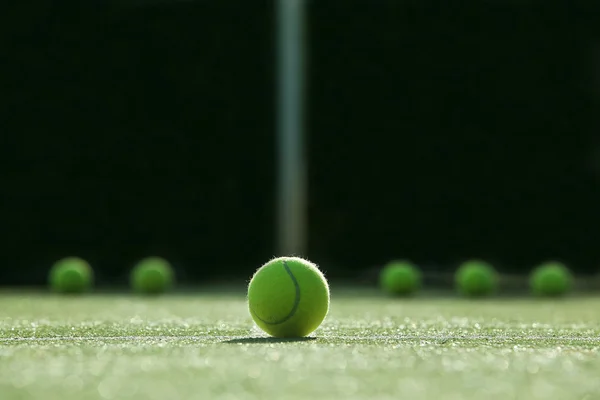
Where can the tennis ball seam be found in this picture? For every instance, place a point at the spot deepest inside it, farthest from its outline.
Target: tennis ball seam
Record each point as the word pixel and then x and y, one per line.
pixel 294 306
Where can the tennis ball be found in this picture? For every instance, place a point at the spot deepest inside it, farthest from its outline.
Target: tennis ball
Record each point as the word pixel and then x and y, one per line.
pixel 288 297
pixel 400 278
pixel 152 275
pixel 551 279
pixel 71 275
pixel 476 278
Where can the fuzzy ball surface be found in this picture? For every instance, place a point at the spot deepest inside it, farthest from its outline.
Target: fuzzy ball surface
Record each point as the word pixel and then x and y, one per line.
pixel 288 297
pixel 152 275
pixel 400 278
pixel 71 275
pixel 476 278
pixel 551 279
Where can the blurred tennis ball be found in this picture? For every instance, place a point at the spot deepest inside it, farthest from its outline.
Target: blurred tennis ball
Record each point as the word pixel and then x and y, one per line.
pixel 551 279
pixel 476 278
pixel 152 275
pixel 71 275
pixel 400 278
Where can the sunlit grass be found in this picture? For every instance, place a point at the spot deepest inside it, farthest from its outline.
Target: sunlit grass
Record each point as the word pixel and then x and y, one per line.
pixel 205 347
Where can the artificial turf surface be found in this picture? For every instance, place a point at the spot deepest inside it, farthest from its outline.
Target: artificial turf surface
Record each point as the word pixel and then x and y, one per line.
pixel 205 347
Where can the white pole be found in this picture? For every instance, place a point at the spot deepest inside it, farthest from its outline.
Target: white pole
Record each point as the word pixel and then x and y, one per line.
pixel 292 218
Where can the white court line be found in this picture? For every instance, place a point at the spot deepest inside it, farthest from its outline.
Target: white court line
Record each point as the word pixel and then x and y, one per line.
pixel 263 339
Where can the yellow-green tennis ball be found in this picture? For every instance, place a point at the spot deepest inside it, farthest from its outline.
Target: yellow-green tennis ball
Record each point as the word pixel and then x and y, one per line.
pixel 71 275
pixel 476 278
pixel 400 278
pixel 288 297
pixel 551 279
pixel 152 275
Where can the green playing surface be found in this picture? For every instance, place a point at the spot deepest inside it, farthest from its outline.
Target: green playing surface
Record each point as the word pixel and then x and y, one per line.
pixel 205 347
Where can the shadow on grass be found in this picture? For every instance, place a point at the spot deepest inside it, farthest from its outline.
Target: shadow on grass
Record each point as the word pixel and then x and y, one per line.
pixel 256 340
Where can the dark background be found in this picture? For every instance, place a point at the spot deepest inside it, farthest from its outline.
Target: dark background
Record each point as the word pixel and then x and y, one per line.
pixel 435 133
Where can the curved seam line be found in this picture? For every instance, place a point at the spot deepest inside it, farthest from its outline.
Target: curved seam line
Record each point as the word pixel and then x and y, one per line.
pixel 296 300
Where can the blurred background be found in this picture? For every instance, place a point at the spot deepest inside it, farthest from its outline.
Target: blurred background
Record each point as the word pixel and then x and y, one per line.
pixel 433 133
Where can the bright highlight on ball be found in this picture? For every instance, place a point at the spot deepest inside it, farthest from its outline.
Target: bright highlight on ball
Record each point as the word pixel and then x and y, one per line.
pixel 400 278
pixel 476 278
pixel 71 275
pixel 152 275
pixel 288 297
pixel 551 279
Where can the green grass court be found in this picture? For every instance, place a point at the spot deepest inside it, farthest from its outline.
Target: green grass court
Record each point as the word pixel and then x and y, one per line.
pixel 205 346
